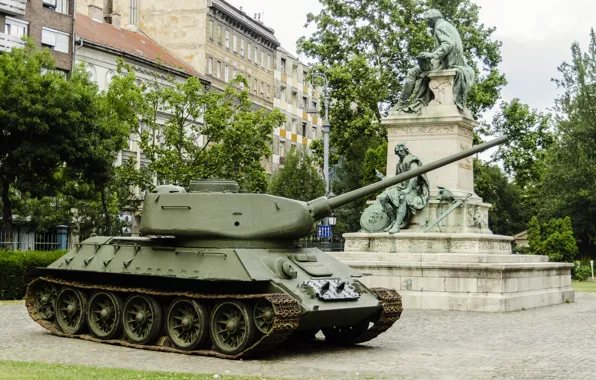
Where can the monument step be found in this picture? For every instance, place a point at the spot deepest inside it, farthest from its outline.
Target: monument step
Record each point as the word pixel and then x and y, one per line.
pixel 564 268
pixel 484 257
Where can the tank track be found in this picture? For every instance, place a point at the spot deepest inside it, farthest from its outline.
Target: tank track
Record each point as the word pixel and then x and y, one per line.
pixel 392 309
pixel 287 316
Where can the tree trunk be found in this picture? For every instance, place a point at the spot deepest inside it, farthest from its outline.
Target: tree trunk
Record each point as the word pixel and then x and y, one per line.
pixel 7 207
pixel 106 212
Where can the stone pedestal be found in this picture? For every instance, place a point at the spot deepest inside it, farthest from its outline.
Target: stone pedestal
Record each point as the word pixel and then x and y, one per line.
pixel 459 264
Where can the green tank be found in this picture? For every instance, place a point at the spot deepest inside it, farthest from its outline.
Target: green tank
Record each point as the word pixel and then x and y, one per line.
pixel 216 273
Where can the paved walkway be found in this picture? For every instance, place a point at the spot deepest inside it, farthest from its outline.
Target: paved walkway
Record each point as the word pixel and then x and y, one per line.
pixel 557 342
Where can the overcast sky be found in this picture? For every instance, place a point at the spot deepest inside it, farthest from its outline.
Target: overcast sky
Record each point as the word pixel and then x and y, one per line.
pixel 536 36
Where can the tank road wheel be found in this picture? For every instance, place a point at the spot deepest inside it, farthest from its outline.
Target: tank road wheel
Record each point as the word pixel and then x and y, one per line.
pixel 187 324
pixel 141 319
pixel 264 316
pixel 71 307
pixel 104 315
pixel 345 335
pixel 232 327
pixel 45 300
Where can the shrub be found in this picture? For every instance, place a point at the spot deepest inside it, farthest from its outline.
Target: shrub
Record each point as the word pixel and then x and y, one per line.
pixel 553 238
pixel 14 266
pixel 582 271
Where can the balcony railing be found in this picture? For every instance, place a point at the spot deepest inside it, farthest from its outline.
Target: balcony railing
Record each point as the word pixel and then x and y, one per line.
pixel 13 7
pixel 8 42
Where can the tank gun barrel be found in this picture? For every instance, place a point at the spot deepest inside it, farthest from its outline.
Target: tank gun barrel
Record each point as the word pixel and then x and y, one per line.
pixel 322 206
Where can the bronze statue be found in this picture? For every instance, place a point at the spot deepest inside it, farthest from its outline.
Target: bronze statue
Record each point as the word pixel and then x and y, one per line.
pixel 448 54
pixel 399 203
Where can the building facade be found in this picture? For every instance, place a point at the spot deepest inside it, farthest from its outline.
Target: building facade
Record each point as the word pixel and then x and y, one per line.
pixel 294 96
pixel 49 22
pixel 218 40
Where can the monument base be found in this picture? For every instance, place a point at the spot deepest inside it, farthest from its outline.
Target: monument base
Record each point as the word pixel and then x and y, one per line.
pixel 465 272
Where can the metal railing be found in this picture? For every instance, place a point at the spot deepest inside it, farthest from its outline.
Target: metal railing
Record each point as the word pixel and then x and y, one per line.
pixel 13 7
pixel 20 239
pixel 336 245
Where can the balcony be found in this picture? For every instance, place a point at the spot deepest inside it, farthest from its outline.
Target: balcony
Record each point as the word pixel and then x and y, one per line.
pixel 13 7
pixel 8 42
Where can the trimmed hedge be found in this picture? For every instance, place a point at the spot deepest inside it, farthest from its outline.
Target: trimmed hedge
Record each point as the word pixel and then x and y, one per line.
pixel 14 265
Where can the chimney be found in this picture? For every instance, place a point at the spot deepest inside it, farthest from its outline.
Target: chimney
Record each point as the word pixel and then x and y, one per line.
pixel 241 9
pixel 95 12
pixel 114 19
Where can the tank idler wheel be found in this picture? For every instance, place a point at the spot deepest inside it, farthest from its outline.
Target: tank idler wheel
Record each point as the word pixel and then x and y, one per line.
pixel 264 316
pixel 45 300
pixel 71 310
pixel 141 319
pixel 187 324
pixel 232 327
pixel 345 335
pixel 104 315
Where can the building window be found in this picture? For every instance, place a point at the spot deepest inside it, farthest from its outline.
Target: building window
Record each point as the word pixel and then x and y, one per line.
pixel 256 55
pixel 227 39
pixel 219 34
pixel 227 73
pixel 134 12
pixel 60 6
pixel 92 72
pixel 283 66
pixel 262 59
pixel 15 28
pixel 304 103
pixel 234 73
pixel 219 69
pixel 249 48
pixel 269 62
pixel 283 94
pixel 210 66
pixel 256 84
pixel 235 44
pixel 303 129
pixel 262 89
pixel 294 99
pixel 294 72
pixel 242 47
pixel 268 92
pixel 211 29
pixel 55 40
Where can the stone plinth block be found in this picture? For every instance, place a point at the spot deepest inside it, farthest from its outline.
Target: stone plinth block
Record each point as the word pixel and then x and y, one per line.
pixel 437 131
pixel 413 242
pixel 466 282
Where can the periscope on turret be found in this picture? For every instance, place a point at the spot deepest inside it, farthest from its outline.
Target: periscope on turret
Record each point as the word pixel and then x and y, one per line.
pixel 216 273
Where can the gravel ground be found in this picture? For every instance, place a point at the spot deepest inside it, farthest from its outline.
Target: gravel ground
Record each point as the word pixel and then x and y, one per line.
pixel 557 342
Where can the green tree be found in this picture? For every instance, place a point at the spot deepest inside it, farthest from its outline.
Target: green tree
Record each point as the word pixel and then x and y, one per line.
pixel 569 187
pixel 366 47
pixel 530 135
pixel 298 179
pixel 507 215
pixel 554 239
pixel 51 124
pixel 209 134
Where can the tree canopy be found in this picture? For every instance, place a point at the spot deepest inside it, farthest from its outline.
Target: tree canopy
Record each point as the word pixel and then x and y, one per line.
pixel 298 178
pixel 205 133
pixel 53 128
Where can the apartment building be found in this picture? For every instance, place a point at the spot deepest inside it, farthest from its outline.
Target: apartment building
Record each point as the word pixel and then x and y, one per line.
pixel 49 22
pixel 294 96
pixel 218 40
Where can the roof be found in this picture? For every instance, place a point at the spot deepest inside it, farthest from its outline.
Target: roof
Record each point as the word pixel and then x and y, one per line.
pixel 135 44
pixel 257 26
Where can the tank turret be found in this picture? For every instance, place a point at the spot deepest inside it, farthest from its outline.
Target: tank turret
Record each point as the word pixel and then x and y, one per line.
pixel 214 209
pixel 216 274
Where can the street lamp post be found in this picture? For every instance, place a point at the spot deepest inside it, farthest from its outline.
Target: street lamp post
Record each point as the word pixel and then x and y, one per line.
pixel 326 129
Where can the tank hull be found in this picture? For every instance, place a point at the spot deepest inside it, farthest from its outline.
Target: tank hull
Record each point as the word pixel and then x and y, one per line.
pixel 304 290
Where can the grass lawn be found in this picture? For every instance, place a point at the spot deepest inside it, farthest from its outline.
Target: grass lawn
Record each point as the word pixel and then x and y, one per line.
pixel 12 302
pixel 33 370
pixel 588 286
